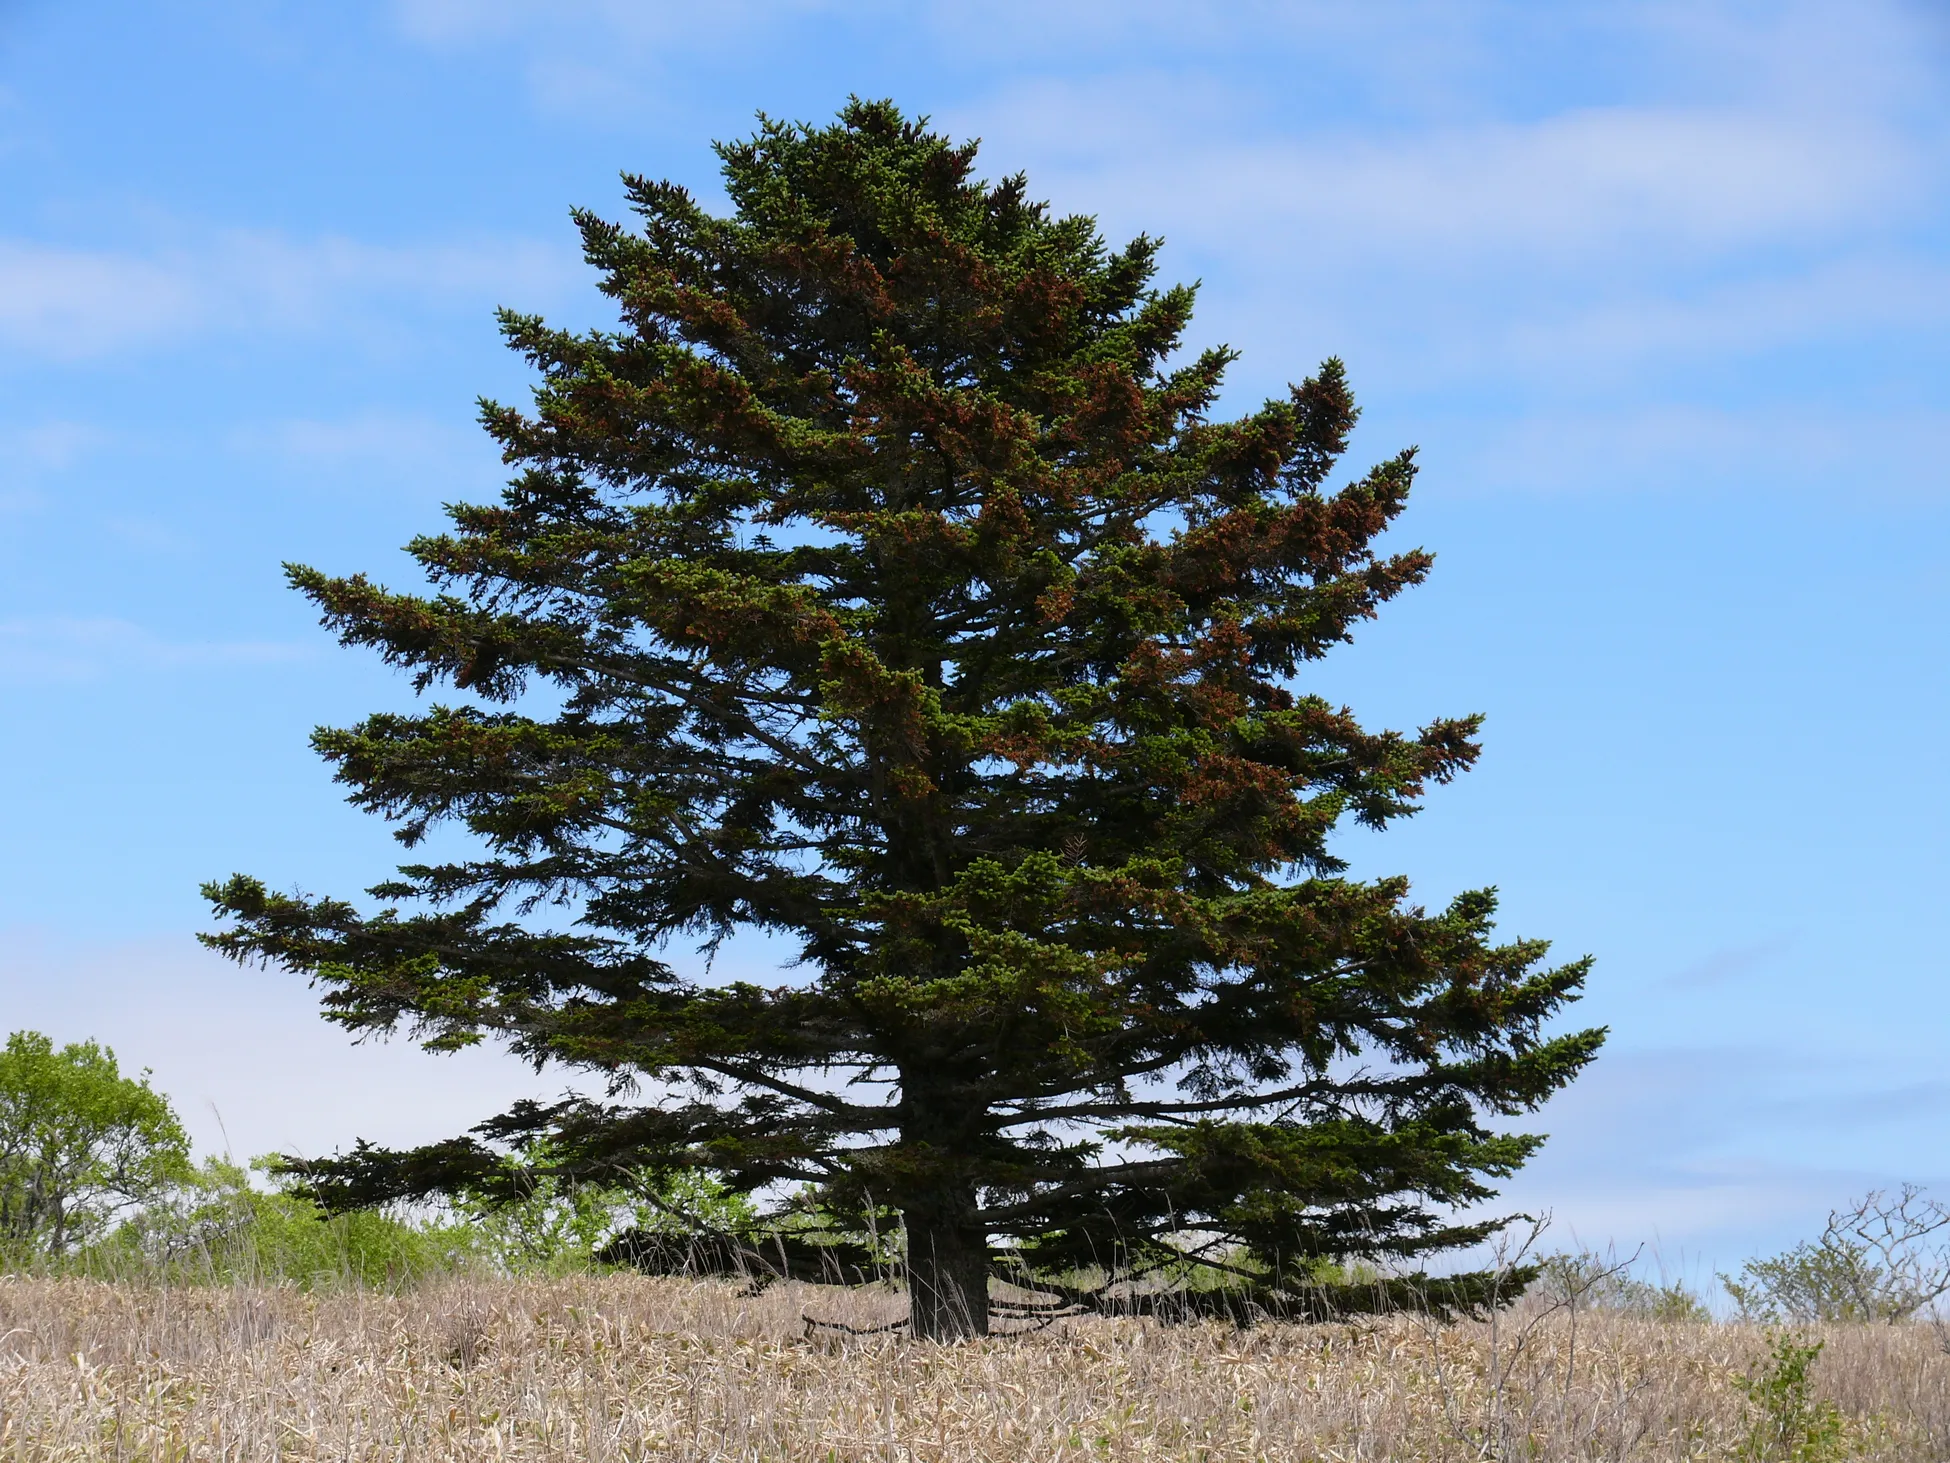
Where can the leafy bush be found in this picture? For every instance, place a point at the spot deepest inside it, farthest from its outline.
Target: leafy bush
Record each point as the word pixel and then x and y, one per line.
pixel 554 1225
pixel 1814 1281
pixel 217 1226
pixel 1791 1424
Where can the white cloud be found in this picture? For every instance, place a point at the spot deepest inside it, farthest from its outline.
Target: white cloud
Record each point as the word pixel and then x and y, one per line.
pixel 1575 190
pixel 1607 339
pixel 58 648
pixel 377 437
pixel 303 281
pixel 1736 1211
pixel 1849 453
pixel 244 1055
pixel 71 304
pixel 1611 181
pixel 1735 1150
pixel 607 24
pixel 1732 965
pixel 1845 299
pixel 1414 54
pixel 49 446
pixel 1744 188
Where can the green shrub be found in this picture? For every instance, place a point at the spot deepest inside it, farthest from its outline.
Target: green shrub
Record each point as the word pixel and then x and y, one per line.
pixel 1791 1424
pixel 1812 1282
pixel 214 1226
pixel 219 1227
pixel 554 1225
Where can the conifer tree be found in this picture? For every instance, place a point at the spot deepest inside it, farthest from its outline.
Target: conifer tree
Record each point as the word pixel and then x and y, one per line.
pixel 885 582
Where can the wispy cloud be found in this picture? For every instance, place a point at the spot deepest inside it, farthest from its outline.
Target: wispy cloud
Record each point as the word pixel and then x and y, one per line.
pixel 1731 1147
pixel 1848 450
pixel 375 437
pixel 1849 300
pixel 31 452
pixel 1736 963
pixel 1638 183
pixel 619 22
pixel 57 648
pixel 1404 184
pixel 71 304
pixel 1409 55
pixel 49 445
pixel 242 1053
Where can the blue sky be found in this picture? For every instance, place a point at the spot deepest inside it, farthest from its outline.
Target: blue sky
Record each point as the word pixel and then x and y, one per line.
pixel 1661 290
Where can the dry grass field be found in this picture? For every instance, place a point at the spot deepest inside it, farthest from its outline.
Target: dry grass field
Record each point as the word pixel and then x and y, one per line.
pixel 626 1368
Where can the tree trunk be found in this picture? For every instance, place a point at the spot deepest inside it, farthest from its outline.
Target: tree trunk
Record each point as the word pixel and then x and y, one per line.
pixel 947 1276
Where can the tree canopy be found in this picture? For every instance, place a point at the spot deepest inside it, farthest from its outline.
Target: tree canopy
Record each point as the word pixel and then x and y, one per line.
pixel 79 1143
pixel 885 581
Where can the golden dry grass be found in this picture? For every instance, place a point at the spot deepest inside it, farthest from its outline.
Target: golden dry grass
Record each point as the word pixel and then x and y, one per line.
pixel 626 1368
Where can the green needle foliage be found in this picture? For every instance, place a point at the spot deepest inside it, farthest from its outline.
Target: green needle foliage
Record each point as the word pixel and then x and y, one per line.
pixel 883 581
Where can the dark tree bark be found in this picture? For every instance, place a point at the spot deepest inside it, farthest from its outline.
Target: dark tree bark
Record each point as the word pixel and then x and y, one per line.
pixel 947 1272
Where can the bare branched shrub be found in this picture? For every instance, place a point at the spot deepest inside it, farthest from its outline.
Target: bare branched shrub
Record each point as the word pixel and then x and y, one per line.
pixel 1885 1258
pixel 1595 1282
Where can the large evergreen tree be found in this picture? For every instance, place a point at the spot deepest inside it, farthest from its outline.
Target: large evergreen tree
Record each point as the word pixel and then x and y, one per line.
pixel 883 582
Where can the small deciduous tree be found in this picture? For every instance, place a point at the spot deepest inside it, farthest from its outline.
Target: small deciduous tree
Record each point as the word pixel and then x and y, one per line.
pixel 79 1143
pixel 895 589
